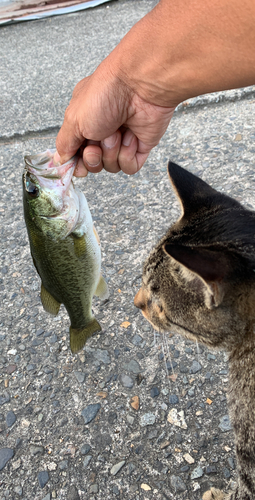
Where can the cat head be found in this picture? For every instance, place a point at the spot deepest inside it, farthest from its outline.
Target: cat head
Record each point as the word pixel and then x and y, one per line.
pixel 200 278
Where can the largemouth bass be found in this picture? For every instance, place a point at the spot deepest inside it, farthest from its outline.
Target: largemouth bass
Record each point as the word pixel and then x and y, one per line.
pixel 64 244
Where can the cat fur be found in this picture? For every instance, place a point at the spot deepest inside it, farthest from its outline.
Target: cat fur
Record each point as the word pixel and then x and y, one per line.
pixel 200 279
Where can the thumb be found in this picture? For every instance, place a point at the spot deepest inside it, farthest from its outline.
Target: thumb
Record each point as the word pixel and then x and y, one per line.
pixel 68 140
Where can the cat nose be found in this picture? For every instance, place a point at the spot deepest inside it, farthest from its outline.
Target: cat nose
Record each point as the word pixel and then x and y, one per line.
pixel 139 299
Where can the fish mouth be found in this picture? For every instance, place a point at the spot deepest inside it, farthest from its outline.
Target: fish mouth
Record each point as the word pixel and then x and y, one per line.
pixel 50 174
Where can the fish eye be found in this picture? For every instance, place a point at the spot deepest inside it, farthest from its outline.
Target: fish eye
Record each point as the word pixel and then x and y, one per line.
pixel 31 188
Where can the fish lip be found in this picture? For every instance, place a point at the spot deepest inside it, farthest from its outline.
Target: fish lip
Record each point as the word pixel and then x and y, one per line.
pixel 42 166
pixel 41 158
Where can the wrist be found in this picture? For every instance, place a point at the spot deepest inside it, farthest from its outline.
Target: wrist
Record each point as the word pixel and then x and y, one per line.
pixel 185 48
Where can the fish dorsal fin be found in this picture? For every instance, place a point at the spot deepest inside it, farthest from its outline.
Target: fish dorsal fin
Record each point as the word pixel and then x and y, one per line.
pixel 96 235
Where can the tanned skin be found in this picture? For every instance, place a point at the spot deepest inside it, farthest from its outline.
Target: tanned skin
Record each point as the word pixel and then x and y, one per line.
pixel 181 49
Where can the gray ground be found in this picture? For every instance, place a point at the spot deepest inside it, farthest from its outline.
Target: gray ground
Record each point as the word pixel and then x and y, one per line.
pixel 47 449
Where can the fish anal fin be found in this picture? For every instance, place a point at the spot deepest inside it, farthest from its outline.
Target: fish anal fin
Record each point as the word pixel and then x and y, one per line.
pixel 79 245
pixel 50 304
pixel 102 289
pixel 79 336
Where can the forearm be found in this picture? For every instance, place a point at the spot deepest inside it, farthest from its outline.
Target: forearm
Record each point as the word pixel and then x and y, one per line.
pixel 184 48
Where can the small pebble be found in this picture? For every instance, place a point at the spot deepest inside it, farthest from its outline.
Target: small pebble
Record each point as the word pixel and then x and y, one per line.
pixel 183 367
pixel 80 376
pixel 39 332
pixel 231 463
pixel 136 340
pixel 132 366
pixel 147 419
pixel 210 469
pixel 12 352
pixel 5 398
pixel 226 473
pixel 189 458
pixel 195 367
pixel 115 490
pixel 211 357
pixel 18 490
pixel 87 460
pixel 197 472
pixel 126 381
pixel 10 418
pixel 5 455
pixel 178 438
pixel 73 494
pixel 116 468
pixel 185 468
pixel 36 450
pixel 94 488
pixel 30 367
pixel 63 464
pixel 47 497
pixel 176 353
pixel 188 350
pixel 177 483
pixel 191 392
pixel 36 342
pixel 53 339
pixel 85 449
pixel 43 478
pixel 90 412
pixel 223 372
pixel 103 356
pixel 225 424
pixel 154 392
pixel 173 399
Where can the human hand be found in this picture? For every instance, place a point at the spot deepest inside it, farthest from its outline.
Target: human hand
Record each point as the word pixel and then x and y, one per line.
pixel 113 127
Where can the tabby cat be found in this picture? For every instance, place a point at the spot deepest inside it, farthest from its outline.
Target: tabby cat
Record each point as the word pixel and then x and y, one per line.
pixel 200 279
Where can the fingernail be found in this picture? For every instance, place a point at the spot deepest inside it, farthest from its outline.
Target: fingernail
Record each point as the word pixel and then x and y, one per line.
pixel 56 158
pixel 109 142
pixel 92 159
pixel 127 138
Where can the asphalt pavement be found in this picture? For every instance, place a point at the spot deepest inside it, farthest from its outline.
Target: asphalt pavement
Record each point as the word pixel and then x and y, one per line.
pixel 133 416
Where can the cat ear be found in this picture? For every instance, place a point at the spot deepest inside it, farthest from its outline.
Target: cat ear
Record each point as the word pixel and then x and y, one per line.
pixel 194 194
pixel 209 265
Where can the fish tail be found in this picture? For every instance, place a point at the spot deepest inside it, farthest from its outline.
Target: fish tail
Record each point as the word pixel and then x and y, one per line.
pixel 79 336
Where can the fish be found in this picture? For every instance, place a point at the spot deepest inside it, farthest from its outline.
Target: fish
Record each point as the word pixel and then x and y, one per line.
pixel 64 244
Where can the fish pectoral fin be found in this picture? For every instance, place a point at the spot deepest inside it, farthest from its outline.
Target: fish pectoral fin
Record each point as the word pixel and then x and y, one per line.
pixel 79 336
pixel 102 289
pixel 79 245
pixel 50 304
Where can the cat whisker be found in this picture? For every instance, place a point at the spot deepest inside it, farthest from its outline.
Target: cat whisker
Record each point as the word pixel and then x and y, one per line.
pixel 167 355
pixel 165 359
pixel 197 351
pixel 155 339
